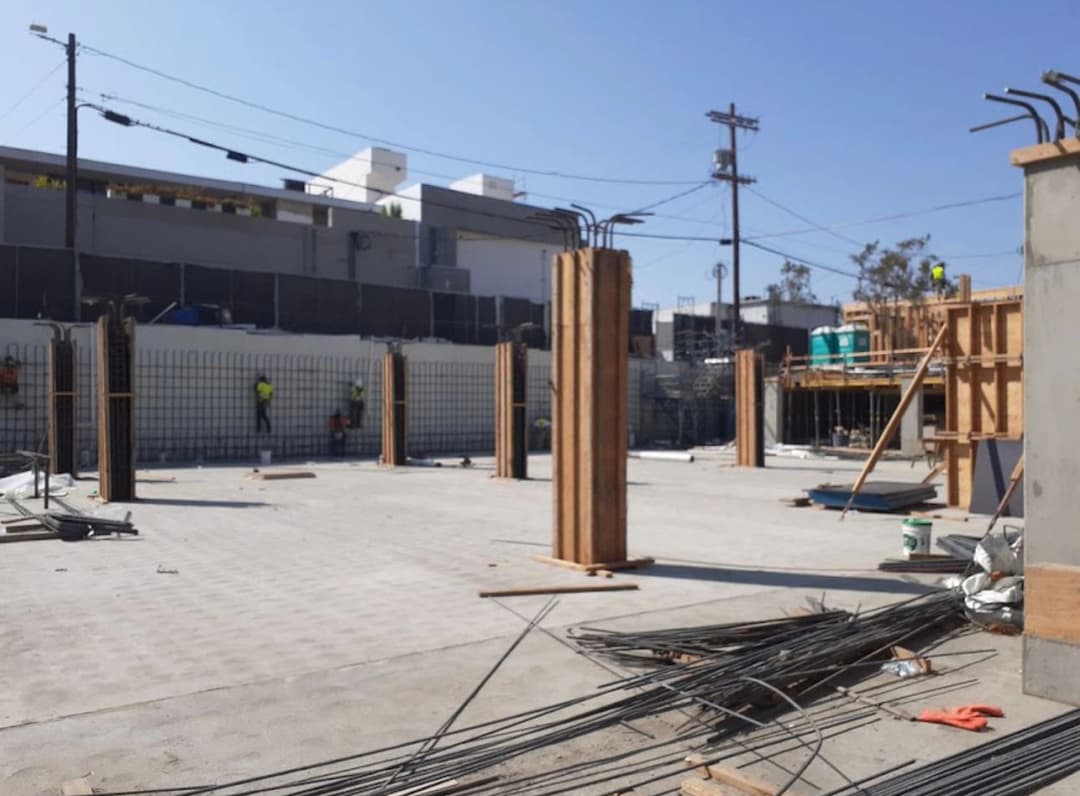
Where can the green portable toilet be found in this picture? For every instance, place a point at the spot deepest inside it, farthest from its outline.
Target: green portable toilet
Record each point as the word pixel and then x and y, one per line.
pixel 853 343
pixel 824 347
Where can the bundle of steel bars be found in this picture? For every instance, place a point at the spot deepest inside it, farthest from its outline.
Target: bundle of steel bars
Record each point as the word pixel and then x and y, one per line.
pixel 738 672
pixel 1020 763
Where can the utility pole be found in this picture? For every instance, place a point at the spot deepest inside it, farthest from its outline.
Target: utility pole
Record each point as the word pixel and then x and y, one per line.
pixel 71 207
pixel 726 168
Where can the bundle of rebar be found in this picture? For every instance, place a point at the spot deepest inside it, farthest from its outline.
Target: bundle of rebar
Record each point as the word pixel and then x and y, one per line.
pixel 1019 763
pixel 739 671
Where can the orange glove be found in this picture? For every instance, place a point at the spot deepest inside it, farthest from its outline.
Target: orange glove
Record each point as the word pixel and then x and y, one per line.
pixel 966 717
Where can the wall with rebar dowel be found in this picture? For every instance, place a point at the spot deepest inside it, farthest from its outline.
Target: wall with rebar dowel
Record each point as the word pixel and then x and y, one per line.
pixel 195 399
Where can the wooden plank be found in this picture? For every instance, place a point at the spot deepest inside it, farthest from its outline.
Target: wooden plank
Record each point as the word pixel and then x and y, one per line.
pixel 749 450
pixel 731 777
pixel 394 410
pixel 1052 602
pixel 568 589
pixel 511 433
pixel 702 787
pixel 279 475
pixel 1039 153
pixel 27 536
pixel 894 421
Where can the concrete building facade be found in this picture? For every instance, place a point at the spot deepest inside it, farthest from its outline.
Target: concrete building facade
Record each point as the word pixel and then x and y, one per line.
pixel 472 240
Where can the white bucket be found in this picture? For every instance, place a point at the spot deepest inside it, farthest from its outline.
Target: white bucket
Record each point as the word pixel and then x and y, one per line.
pixel 265 458
pixel 915 536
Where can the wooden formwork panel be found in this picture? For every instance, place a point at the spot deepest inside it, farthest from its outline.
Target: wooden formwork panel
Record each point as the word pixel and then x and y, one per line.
pixel 61 400
pixel 984 385
pixel 590 324
pixel 511 430
pixel 394 431
pixel 116 408
pixel 749 418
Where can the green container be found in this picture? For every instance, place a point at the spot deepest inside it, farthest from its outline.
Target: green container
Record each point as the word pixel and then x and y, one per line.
pixel 853 344
pixel 824 346
pixel 915 536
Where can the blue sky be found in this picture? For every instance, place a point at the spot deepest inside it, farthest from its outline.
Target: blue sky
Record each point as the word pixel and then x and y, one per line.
pixel 864 108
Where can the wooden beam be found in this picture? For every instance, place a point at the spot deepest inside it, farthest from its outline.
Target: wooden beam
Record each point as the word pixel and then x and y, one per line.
pixel 116 407
pixel 894 421
pixel 749 419
pixel 731 777
pixel 529 590
pixel 1052 602
pixel 394 410
pixel 511 418
pixel 702 787
pixel 1065 148
pixel 279 475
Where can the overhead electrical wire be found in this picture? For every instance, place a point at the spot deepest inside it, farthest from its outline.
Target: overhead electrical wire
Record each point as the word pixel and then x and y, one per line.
pixel 31 90
pixel 801 217
pixel 367 137
pixel 36 119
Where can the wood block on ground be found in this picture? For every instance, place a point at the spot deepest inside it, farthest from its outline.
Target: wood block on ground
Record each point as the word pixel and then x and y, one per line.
pixel 280 475
pixel 611 566
pixel 76 787
pixel 730 777
pixel 702 787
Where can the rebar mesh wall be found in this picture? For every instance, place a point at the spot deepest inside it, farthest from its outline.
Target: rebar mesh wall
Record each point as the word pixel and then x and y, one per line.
pixel 195 394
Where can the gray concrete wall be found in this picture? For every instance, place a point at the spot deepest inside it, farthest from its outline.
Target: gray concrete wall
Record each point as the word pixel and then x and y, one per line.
pixel 1051 404
pixel 911 424
pixel 773 410
pixel 384 254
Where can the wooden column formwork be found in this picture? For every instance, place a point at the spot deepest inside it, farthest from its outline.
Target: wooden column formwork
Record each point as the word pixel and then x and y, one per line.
pixel 590 324
pixel 394 434
pixel 749 411
pixel 511 423
pixel 61 399
pixel 984 385
pixel 116 407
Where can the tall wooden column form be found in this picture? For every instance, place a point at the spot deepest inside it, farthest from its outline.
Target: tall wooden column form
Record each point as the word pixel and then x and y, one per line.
pixel 511 428
pixel 61 399
pixel 749 409
pixel 116 407
pixel 590 324
pixel 394 436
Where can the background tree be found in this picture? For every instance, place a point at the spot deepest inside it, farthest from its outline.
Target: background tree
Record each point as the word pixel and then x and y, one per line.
pixel 891 275
pixel 793 287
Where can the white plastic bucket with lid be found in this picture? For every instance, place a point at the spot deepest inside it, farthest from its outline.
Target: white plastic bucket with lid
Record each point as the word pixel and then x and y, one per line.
pixel 915 536
pixel 265 457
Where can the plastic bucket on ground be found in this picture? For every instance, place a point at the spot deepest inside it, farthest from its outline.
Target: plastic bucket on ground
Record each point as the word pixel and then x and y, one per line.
pixel 265 457
pixel 915 536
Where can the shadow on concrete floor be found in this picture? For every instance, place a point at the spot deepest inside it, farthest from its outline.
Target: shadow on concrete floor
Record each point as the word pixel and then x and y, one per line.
pixel 209 504
pixel 784 579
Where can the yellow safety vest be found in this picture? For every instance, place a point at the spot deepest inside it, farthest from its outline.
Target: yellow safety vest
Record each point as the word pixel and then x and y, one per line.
pixel 937 273
pixel 356 394
pixel 264 391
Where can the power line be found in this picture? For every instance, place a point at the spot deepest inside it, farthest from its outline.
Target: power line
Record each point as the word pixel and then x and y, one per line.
pixel 801 217
pixel 355 134
pixel 245 157
pixel 31 90
pixel 292 143
pixel 801 260
pixel 37 118
pixel 896 216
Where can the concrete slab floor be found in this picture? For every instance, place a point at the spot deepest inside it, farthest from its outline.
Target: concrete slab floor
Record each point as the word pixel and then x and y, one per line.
pixel 255 625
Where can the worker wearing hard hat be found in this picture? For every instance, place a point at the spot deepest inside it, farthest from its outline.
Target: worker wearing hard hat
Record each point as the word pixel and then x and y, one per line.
pixel 356 404
pixel 937 277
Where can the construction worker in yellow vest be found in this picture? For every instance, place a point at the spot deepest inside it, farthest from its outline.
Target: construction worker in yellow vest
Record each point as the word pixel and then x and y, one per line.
pixel 356 404
pixel 264 393
pixel 937 277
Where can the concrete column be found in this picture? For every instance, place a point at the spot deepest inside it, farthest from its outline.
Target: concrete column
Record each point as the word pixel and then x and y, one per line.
pixel 774 412
pixel 911 424
pixel 1051 430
